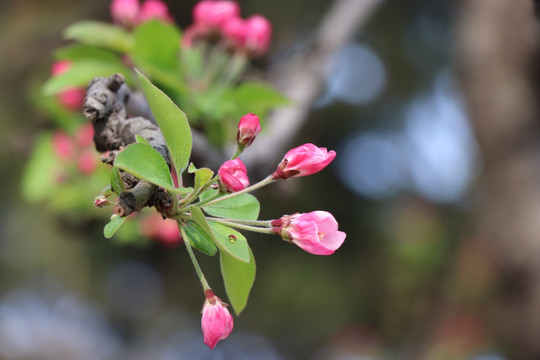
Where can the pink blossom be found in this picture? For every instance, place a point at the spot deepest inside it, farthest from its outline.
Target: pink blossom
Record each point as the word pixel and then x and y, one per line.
pixel 125 12
pixel 315 232
pixel 248 128
pixel 259 34
pixel 233 175
pixel 304 160
pixel 87 162
pixel 235 32
pixel 84 135
pixel 212 15
pixel 154 9
pixel 60 67
pixel 165 231
pixel 216 321
pixel 71 98
pixel 63 145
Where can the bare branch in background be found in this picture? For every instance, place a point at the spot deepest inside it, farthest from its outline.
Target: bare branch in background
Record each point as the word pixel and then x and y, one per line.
pixel 302 77
pixel 497 47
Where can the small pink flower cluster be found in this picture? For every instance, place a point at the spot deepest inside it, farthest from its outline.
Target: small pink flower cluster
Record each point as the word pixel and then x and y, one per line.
pixel 78 148
pixel 221 20
pixel 315 232
pixel 71 98
pixel 162 230
pixel 130 13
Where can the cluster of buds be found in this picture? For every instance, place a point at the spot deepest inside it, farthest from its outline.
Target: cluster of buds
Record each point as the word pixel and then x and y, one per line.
pixel 129 13
pixel 315 232
pixel 71 98
pixel 76 149
pixel 220 20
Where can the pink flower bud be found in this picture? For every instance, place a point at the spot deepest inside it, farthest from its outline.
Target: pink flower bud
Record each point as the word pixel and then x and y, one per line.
pixel 101 201
pixel 154 9
pixel 84 135
pixel 212 15
pixel 216 321
pixel 71 98
pixel 63 145
pixel 303 161
pixel 125 12
pixel 235 32
pixel 60 67
pixel 315 232
pixel 259 34
pixel 163 230
pixel 248 128
pixel 233 175
pixel 87 162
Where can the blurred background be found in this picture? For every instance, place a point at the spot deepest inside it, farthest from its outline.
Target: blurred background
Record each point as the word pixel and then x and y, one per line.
pixel 428 266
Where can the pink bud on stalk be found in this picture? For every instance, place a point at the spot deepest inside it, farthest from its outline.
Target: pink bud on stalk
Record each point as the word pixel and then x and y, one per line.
pixel 304 160
pixel 235 32
pixel 315 232
pixel 63 145
pixel 233 175
pixel 71 98
pixel 101 201
pixel 216 321
pixel 212 15
pixel 125 12
pixel 154 9
pixel 248 128
pixel 258 35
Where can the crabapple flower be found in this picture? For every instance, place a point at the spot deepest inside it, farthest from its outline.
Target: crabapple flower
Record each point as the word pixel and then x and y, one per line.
pixel 71 98
pixel 315 232
pixel 212 15
pixel 248 128
pixel 233 175
pixel 87 162
pixel 304 160
pixel 216 321
pixel 63 145
pixel 162 230
pixel 235 32
pixel 154 9
pixel 125 12
pixel 259 34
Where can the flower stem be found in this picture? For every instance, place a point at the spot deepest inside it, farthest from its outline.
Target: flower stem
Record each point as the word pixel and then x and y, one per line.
pixel 264 230
pixel 198 270
pixel 256 186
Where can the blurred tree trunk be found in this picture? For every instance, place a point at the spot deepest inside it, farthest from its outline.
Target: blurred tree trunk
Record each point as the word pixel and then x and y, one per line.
pixel 497 51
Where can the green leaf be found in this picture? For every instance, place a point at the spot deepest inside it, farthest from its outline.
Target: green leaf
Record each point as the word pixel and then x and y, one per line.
pixel 156 50
pixel 238 277
pixel 140 140
pixel 39 175
pixel 243 206
pixel 100 34
pixel 227 239
pixel 158 44
pixel 78 52
pixel 146 163
pixel 172 121
pixel 116 181
pixel 199 239
pixel 113 225
pixel 256 97
pixel 80 73
pixel 202 176
pixel 230 241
